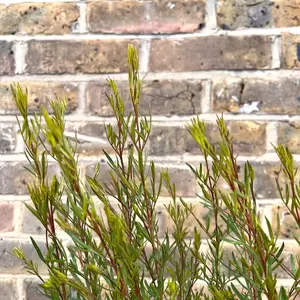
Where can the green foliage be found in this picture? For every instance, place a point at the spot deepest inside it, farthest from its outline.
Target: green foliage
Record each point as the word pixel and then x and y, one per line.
pixel 116 253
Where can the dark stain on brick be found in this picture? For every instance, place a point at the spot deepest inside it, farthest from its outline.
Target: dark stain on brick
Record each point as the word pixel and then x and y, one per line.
pixel 298 52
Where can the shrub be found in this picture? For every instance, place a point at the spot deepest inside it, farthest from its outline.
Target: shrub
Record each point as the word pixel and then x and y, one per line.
pixel 116 253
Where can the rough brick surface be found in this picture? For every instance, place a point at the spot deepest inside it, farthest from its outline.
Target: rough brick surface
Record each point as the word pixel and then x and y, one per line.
pixel 288 134
pixel 39 93
pixel 290 51
pixel 154 17
pixel 7 60
pixel 14 178
pixel 232 14
pixel 32 290
pixel 10 264
pixel 211 53
pixel 288 225
pixel 249 138
pixel 257 96
pixel 59 57
pixel 235 14
pixel 6 217
pixel 29 223
pixel 286 13
pixel 38 18
pixel 166 97
pixel 7 138
pixel 8 289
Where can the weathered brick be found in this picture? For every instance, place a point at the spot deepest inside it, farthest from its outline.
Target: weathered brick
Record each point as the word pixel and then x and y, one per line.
pixel 286 254
pixel 7 138
pixel 182 177
pixel 6 217
pixel 232 14
pixel 32 290
pixel 38 18
pixel 29 223
pixel 288 135
pixel 151 17
pixel 8 289
pixel 290 51
pixel 58 57
pixel 171 141
pixel 39 93
pixel 91 138
pixel 249 139
pixel 256 95
pixel 166 97
pixel 265 179
pixel 201 213
pixel 7 60
pixel 211 53
pixel 10 264
pixel 286 13
pixel 14 177
pixel 288 225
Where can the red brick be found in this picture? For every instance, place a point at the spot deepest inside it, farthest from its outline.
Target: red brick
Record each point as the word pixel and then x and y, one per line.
pixel 146 17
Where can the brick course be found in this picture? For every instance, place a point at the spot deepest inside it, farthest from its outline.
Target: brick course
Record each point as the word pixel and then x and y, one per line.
pixel 206 57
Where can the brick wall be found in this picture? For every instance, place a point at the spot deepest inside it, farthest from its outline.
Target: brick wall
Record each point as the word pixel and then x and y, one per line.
pixel 238 57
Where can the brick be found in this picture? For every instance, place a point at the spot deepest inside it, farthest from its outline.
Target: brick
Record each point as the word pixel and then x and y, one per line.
pixel 286 13
pixel 14 178
pixel 142 18
pixel 32 290
pixel 201 213
pixel 91 138
pixel 288 135
pixel 262 96
pixel 38 18
pixel 290 51
pixel 6 217
pixel 249 139
pixel 286 254
pixel 233 14
pixel 8 289
pixel 39 93
pixel 10 264
pixel 288 225
pixel 7 60
pixel 166 97
pixel 59 57
pixel 211 53
pixel 29 223
pixel 171 141
pixel 103 176
pixel 182 177
pixel 265 179
pixel 7 138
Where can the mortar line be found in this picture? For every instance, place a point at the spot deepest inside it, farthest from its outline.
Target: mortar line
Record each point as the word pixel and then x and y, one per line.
pixel 96 36
pixel 276 52
pixel 20 51
pixel 206 97
pixel 271 136
pixel 176 76
pixel 144 56
pixel 82 17
pixel 210 16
